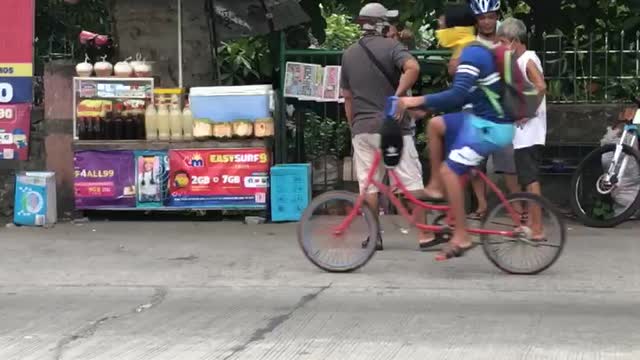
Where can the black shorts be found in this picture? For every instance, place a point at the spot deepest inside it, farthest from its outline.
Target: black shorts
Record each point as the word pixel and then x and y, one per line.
pixel 528 162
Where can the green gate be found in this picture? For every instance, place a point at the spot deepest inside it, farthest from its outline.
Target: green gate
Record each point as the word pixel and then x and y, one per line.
pixel 317 132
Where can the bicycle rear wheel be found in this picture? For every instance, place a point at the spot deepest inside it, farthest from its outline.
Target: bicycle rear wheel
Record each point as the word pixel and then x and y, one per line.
pixel 337 252
pixel 599 203
pixel 522 254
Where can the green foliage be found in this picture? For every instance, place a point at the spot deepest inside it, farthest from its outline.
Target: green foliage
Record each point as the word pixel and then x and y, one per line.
pixel 602 210
pixel 245 61
pixel 58 25
pixel 518 9
pixel 325 136
pixel 341 31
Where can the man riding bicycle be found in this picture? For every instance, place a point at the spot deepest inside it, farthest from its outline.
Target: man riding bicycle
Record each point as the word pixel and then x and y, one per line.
pixel 468 137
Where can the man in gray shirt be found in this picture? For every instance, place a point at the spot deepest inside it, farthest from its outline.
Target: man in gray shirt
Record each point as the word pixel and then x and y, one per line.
pixel 366 87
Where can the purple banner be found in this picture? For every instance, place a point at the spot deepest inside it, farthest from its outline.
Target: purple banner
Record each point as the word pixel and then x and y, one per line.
pixel 104 179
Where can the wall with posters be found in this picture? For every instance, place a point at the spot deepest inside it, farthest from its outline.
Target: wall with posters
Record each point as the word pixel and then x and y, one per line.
pixel 202 178
pixel 226 178
pixel 16 77
pixel 104 179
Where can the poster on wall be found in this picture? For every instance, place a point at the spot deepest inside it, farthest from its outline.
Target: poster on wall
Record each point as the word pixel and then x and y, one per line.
pixel 14 131
pixel 303 81
pixel 219 178
pixel 104 179
pixel 16 77
pixel 152 178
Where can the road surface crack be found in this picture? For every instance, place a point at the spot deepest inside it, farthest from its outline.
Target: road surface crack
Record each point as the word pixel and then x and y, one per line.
pixel 275 322
pixel 89 330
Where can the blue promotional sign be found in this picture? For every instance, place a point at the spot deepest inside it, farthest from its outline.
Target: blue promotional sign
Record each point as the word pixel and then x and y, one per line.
pixel 16 90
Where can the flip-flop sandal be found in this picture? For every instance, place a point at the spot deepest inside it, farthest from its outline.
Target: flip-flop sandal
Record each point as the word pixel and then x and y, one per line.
pixel 379 246
pixel 477 215
pixel 540 239
pixel 453 251
pixel 426 198
pixel 427 245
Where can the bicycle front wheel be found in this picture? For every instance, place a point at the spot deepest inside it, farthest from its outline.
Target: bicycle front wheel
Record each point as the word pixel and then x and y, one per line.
pixel 537 243
pixel 329 249
pixel 597 199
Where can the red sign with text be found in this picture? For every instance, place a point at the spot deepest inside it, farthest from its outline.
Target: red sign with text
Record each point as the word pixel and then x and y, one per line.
pixel 14 131
pixel 16 77
pixel 16 31
pixel 224 178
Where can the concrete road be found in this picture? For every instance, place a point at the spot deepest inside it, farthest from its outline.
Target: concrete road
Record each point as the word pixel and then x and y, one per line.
pixel 222 290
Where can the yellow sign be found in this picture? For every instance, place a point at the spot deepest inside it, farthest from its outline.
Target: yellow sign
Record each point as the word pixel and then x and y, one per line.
pixel 16 70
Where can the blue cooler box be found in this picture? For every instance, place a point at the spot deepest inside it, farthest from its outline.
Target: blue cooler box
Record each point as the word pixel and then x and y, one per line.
pixel 290 191
pixel 35 199
pixel 228 103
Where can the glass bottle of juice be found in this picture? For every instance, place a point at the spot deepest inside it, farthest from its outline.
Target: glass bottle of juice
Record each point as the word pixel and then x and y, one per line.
pixel 118 123
pixel 187 122
pixel 163 123
pixel 90 135
pixel 151 122
pixel 107 126
pixel 175 118
pixel 139 123
pixel 81 129
pixel 98 126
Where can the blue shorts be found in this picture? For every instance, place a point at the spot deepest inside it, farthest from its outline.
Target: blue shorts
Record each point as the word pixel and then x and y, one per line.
pixel 468 140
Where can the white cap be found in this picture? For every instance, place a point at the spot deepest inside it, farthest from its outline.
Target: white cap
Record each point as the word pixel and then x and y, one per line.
pixel 377 10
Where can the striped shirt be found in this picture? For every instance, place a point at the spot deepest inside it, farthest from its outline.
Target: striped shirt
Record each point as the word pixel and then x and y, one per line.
pixel 477 67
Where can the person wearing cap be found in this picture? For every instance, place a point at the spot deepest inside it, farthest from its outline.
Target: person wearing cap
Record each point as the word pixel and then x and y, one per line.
pixel 466 137
pixel 486 14
pixel 373 69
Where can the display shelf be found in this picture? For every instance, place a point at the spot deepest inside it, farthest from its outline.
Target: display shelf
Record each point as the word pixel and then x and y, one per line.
pixel 114 79
pixel 115 97
pixel 88 88
pixel 167 145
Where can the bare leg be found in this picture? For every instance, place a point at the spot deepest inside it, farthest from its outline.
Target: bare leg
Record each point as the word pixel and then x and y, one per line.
pixel 536 212
pixel 511 182
pixel 436 131
pixel 456 201
pixel 372 200
pixel 420 216
pixel 479 189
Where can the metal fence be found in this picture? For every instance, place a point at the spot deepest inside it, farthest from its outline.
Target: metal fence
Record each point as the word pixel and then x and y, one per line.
pixel 579 69
pixel 590 68
pixel 317 132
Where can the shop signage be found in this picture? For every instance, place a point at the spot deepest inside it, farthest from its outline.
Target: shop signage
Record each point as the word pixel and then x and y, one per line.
pixel 221 178
pixel 16 76
pixel 16 51
pixel 104 179
pixel 14 131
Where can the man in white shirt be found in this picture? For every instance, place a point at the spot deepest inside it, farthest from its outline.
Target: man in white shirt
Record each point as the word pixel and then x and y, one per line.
pixel 530 135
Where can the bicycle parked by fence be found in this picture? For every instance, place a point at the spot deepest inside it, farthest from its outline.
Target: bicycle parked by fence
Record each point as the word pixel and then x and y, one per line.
pixel 605 188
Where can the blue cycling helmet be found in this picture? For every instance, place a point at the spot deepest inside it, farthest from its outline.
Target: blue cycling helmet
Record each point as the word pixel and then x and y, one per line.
pixel 480 7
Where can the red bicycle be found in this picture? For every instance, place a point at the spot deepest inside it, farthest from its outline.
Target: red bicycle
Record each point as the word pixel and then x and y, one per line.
pixel 327 224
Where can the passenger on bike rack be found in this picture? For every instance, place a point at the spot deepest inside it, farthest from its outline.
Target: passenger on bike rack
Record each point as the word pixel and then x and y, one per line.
pixel 468 137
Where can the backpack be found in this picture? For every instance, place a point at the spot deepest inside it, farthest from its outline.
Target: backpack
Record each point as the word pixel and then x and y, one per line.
pixel 520 99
